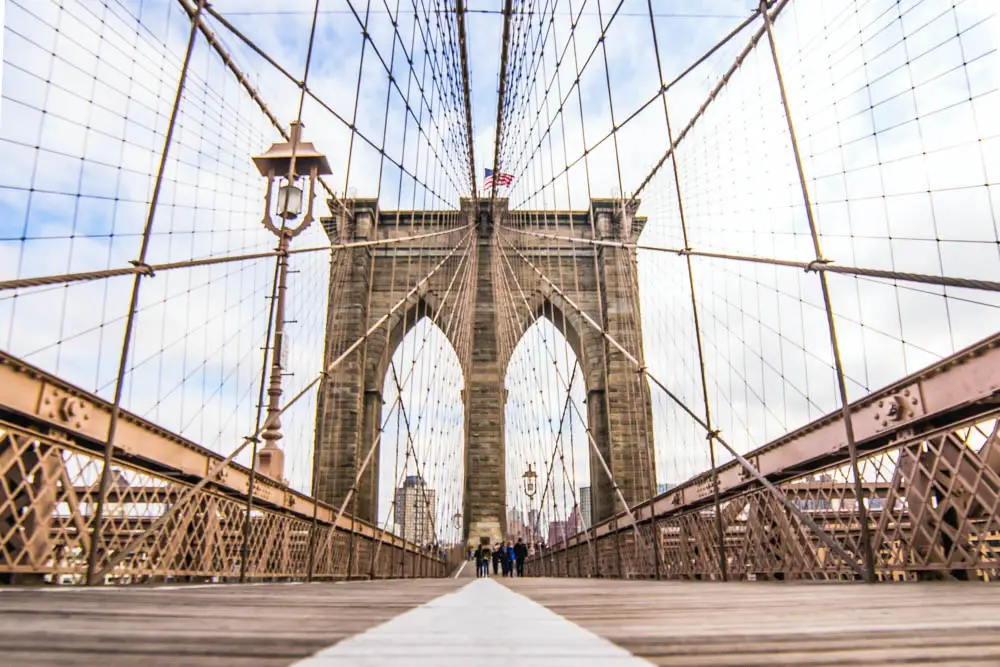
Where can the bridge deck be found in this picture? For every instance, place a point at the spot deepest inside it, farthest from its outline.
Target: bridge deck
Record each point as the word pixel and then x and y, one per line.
pixel 443 622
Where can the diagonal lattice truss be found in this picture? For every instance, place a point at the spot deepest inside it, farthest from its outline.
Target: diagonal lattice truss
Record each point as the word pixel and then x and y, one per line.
pixel 49 489
pixel 742 290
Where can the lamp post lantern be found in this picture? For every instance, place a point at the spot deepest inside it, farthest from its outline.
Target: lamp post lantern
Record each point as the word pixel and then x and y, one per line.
pixel 288 161
pixel 530 488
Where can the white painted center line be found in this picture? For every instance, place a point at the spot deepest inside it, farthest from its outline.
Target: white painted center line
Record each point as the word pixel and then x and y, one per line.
pixel 483 623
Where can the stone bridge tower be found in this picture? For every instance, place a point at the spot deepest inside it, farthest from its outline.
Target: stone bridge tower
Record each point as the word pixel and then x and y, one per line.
pixel 604 285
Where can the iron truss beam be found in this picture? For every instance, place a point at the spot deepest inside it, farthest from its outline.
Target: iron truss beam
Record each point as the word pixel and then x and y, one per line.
pixel 960 389
pixel 36 400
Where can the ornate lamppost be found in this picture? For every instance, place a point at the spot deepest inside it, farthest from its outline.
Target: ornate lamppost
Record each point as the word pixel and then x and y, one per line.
pixel 288 161
pixel 530 488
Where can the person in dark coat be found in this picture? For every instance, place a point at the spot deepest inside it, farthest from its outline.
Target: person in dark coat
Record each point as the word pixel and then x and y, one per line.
pixel 497 558
pixel 520 553
pixel 483 561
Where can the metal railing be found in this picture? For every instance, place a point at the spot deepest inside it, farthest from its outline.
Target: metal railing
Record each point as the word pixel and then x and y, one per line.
pixel 157 526
pixel 929 466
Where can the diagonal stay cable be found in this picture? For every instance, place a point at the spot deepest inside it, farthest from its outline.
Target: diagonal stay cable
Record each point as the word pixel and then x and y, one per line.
pixel 504 48
pixel 307 91
pixel 399 391
pixel 152 269
pixel 819 266
pixel 97 530
pixel 559 449
pixel 578 77
pixel 590 436
pixel 214 471
pixel 463 42
pixel 825 537
pixel 757 36
pixel 244 81
pixel 412 449
pixel 394 83
pixel 661 93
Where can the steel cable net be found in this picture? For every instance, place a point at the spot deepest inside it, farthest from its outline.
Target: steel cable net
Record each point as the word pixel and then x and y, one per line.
pixel 95 95
pixel 893 107
pixel 723 226
pixel 86 147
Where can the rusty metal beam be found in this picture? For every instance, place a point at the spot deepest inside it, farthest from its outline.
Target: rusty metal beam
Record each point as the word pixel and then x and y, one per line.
pixel 958 389
pixel 34 399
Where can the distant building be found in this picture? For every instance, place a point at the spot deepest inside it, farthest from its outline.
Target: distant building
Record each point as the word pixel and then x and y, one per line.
pixel 585 507
pixel 534 525
pixel 414 510
pixel 560 531
pixel 663 487
pixel 515 524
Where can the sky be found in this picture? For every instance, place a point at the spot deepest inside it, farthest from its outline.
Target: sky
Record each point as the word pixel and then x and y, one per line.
pixel 895 107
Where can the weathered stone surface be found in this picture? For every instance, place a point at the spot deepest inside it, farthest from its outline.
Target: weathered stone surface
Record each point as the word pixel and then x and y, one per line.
pixel 484 326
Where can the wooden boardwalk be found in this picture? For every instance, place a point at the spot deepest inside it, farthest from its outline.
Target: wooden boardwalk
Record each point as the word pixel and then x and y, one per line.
pixel 703 623
pixel 668 623
pixel 182 626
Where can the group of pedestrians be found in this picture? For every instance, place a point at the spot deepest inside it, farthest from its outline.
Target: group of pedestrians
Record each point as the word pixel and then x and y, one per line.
pixel 508 558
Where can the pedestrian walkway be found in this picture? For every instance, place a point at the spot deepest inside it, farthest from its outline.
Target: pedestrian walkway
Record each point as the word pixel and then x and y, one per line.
pixel 484 623
pixel 538 621
pixel 467 571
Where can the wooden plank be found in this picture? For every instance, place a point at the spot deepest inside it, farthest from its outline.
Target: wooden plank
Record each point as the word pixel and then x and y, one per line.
pixel 261 624
pixel 710 624
pixel 666 623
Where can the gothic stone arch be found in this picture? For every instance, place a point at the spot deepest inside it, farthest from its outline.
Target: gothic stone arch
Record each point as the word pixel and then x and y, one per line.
pixel 601 281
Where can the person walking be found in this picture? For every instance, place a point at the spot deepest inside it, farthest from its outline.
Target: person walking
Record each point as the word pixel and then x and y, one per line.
pixel 502 556
pixel 520 553
pixel 510 558
pixel 497 558
pixel 483 561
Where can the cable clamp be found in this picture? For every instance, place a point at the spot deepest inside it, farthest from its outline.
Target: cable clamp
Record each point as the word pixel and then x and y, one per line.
pixel 641 370
pixel 144 269
pixel 685 252
pixel 812 266
pixel 713 434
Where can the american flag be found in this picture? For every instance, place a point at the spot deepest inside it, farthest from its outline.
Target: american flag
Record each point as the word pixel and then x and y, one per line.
pixel 501 179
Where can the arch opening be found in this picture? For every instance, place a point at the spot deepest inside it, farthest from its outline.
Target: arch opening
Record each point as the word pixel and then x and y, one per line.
pixel 545 418
pixel 421 447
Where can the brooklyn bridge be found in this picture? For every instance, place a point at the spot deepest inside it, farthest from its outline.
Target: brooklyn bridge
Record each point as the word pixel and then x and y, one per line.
pixel 307 305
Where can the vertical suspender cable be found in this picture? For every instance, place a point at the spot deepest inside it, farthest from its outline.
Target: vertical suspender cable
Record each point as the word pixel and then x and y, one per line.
pixel 96 535
pixel 866 544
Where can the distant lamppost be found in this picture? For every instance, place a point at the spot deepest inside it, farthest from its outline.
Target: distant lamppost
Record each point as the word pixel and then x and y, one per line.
pixel 288 161
pixel 530 488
